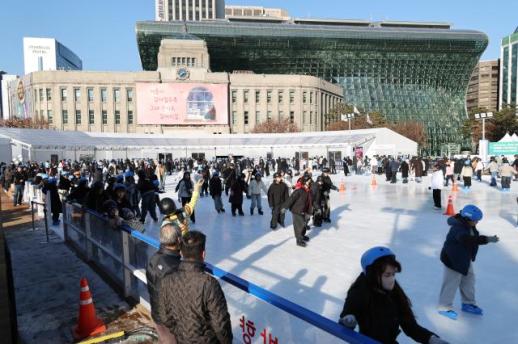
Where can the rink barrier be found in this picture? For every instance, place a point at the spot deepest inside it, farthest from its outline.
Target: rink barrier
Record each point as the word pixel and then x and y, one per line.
pixel 88 233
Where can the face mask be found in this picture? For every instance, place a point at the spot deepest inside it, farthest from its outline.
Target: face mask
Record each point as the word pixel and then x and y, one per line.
pixel 388 282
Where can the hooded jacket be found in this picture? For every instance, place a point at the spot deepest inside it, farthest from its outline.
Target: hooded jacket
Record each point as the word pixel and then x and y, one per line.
pixel 461 245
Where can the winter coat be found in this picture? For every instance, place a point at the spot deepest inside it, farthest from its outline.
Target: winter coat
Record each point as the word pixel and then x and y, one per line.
pixel 55 201
pixel 193 307
pixel 437 180
pixel 255 187
pixel 277 194
pixel 215 187
pixel 461 245
pixel 379 314
pixel 404 169
pixel 394 166
pixel 184 188
pixel 449 169
pixel 161 264
pixel 418 168
pixel 492 167
pixel 237 188
pixel 328 184
pixel 316 195
pixel 457 166
pixel 506 170
pixel 299 202
pixel 467 171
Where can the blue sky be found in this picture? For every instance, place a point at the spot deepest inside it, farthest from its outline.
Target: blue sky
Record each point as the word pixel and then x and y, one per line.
pixel 102 32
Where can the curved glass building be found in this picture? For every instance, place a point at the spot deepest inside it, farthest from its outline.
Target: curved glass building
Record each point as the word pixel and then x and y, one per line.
pixel 417 71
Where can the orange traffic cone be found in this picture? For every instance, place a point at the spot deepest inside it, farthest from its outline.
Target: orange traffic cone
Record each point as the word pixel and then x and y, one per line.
pixel 341 187
pixel 373 180
pixel 88 324
pixel 449 210
pixel 454 187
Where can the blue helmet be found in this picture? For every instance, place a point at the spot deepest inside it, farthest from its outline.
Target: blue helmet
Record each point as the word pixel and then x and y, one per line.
pixel 472 212
pixel 52 180
pixel 373 254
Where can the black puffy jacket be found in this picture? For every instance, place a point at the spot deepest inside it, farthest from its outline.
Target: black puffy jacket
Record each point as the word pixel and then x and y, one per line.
pixel 278 193
pixel 379 314
pixel 161 264
pixel 193 306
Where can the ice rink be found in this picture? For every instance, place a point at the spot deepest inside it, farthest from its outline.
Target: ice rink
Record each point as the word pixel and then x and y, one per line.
pixel 400 216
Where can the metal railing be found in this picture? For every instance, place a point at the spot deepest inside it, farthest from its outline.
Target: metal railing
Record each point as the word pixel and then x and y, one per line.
pixel 122 254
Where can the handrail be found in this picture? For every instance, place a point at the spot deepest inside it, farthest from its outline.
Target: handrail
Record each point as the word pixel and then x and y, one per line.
pixel 300 312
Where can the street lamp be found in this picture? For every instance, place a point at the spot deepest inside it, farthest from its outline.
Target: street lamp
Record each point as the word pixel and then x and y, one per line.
pixel 348 117
pixel 482 117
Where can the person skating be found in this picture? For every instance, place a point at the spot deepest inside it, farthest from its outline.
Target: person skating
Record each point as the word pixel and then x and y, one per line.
pixel 237 189
pixel 327 186
pixel 180 217
pixel 318 200
pixel 300 206
pixel 377 303
pixel 185 192
pixel 278 193
pixel 437 185
pixel 467 173
pixel 254 190
pixel 506 173
pixel 458 254
pixel 215 190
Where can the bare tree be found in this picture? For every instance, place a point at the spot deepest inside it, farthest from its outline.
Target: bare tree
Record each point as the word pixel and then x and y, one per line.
pixel 280 126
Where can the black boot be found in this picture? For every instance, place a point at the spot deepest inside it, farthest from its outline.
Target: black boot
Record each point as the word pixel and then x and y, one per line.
pixel 251 211
pixel 305 238
pixel 301 243
pixel 260 211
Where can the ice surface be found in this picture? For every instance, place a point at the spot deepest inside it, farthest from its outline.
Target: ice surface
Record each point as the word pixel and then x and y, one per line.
pixel 399 216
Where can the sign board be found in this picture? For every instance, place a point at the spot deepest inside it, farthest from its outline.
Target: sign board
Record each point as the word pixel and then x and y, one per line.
pixel 182 103
pixel 503 148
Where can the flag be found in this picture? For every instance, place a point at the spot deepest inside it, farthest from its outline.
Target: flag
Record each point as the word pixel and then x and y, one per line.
pixel 356 111
pixel 343 118
pixel 369 119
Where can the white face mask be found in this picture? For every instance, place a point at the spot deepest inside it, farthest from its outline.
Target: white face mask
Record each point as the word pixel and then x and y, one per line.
pixel 388 278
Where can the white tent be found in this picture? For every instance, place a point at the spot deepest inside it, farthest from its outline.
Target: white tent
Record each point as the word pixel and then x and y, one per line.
pixel 506 138
pixel 514 137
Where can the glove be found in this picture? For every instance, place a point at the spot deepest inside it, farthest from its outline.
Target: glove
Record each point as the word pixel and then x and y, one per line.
pixel 493 239
pixel 349 321
pixel 436 340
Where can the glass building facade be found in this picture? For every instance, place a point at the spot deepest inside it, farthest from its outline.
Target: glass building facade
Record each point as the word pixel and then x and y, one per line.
pixel 406 73
pixel 509 70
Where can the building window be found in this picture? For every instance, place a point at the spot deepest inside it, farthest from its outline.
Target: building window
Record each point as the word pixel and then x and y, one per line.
pixel 78 116
pixel 50 116
pixel 281 97
pixel 77 94
pixel 246 118
pixel 173 61
pixel 130 117
pixel 129 94
pixel 305 97
pixel 105 117
pixel 91 117
pixel 117 117
pixel 269 116
pixel 234 96
pixel 304 115
pixel 311 117
pixel 311 97
pixel 64 115
pixel 292 97
pixel 281 115
pixel 269 97
pixel 63 94
pixel 90 94
pixel 49 94
pixel 257 117
pixel 234 117
pixel 104 95
pixel 292 117
pixel 257 96
pixel 194 62
pixel 41 114
pixel 41 94
pixel 116 95
pixel 245 96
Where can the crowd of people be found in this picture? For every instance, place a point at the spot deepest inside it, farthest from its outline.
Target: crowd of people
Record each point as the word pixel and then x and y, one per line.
pixel 189 305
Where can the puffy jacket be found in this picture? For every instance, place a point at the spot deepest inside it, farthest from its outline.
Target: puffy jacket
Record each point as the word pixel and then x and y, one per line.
pixel 193 306
pixel 506 170
pixel 299 202
pixel 278 194
pixel 378 314
pixel 461 245
pixel 328 184
pixel 437 180
pixel 467 171
pixel 255 187
pixel 161 264
pixel 215 186
pixel 493 167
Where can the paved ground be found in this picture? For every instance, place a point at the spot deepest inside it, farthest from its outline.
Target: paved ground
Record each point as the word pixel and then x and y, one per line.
pixel 46 278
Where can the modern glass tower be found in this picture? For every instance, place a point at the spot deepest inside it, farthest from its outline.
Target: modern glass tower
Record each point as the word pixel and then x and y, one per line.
pixel 509 70
pixel 417 71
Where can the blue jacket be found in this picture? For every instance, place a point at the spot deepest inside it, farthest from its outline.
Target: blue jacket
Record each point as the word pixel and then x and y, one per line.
pixel 461 245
